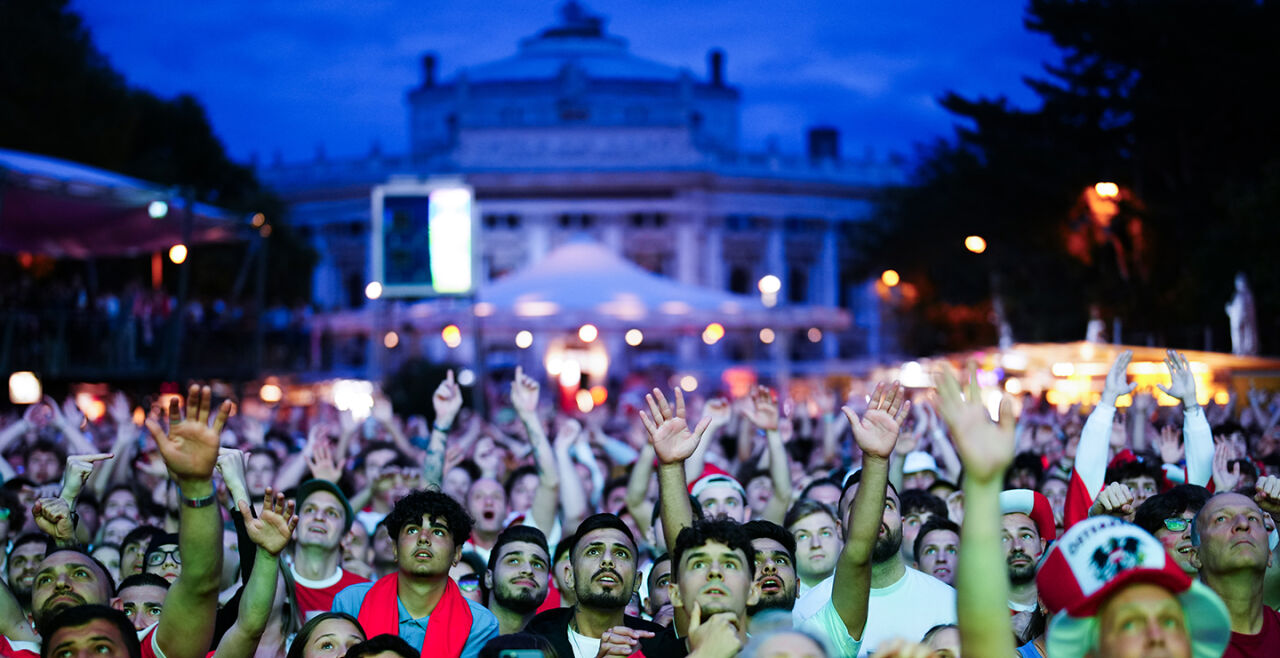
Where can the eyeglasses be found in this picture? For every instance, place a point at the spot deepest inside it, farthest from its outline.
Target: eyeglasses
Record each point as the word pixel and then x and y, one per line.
pixel 157 557
pixel 1177 524
pixel 469 582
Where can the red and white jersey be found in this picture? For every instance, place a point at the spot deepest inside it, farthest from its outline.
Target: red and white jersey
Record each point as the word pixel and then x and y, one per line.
pixel 316 596
pixel 20 649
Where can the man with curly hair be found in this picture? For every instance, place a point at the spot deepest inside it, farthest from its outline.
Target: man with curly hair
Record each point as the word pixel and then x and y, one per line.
pixel 419 602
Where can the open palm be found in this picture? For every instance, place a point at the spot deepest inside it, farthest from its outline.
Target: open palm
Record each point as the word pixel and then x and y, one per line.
pixel 668 431
pixel 190 447
pixel 877 430
pixel 274 526
pixel 985 447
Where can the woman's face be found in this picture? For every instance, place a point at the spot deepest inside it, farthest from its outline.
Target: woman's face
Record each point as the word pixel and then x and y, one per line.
pixel 331 638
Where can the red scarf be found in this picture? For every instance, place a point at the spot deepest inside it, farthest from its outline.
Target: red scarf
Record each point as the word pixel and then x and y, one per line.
pixel 448 626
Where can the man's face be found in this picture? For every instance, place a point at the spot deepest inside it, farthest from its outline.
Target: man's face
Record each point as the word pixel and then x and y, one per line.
pixel 23 563
pixel 1142 620
pixel 426 548
pixel 487 504
pixel 1143 487
pixel 97 639
pixel 938 555
pixel 911 524
pixel 919 480
pixel 818 546
pixel 165 562
pixel 616 501
pixel 1232 535
pixel 1056 491
pixel 259 473
pixel 604 569
pixel 716 577
pixel 889 541
pixel 1178 542
pixel 775 576
pixel 141 604
pixel 66 579
pixel 1022 478
pixel 456 483
pixel 723 500
pixel 133 557
pixel 659 578
pixel 376 461
pixel 321 521
pixel 522 491
pixel 1022 547
pixel 355 546
pixel 43 467
pixel 121 503
pixel 519 577
pixel 117 529
pixel 826 493
pixel 759 490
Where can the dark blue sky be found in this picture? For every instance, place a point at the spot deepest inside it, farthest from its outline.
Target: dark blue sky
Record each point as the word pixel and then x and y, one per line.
pixel 287 75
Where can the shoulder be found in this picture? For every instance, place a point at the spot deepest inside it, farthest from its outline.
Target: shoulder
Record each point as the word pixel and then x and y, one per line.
pixel 828 624
pixel 549 621
pixel 481 618
pixel 350 598
pixel 925 581
pixel 643 624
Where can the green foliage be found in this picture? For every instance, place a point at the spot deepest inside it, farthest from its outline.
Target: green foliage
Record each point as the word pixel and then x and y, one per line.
pixel 1164 98
pixel 59 96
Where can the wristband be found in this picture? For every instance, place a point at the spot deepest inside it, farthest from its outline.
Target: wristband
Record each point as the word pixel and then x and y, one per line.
pixel 197 503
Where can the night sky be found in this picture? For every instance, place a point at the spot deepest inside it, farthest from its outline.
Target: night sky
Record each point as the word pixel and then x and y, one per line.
pixel 288 75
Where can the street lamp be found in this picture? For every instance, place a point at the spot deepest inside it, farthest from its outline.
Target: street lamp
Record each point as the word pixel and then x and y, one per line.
pixel 1107 190
pixel 975 243
pixel 890 278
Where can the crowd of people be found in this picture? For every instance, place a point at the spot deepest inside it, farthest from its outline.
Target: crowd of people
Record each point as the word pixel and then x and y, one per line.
pixel 904 523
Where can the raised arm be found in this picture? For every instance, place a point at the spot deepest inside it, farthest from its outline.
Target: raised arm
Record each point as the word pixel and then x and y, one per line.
pixel 573 502
pixel 190 451
pixel 270 532
pixel 673 443
pixel 13 621
pixel 1090 469
pixel 524 398
pixel 1197 438
pixel 68 419
pixel 447 402
pixel 762 411
pixel 875 433
pixel 986 450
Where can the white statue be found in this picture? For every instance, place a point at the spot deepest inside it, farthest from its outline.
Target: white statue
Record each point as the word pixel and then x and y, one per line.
pixel 1244 319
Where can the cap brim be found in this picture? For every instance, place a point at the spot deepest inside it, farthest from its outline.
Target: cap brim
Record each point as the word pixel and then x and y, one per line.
pixel 1206 619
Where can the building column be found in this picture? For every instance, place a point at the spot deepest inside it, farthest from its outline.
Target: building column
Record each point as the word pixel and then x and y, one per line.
pixel 775 257
pixel 714 259
pixel 612 232
pixel 828 285
pixel 539 238
pixel 686 251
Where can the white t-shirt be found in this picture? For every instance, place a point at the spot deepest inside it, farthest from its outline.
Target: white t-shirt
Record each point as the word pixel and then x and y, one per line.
pixel 907 608
pixel 583 646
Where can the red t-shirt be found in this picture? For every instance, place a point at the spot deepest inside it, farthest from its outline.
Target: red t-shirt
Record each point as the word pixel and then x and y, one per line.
pixel 1263 643
pixel 8 649
pixel 316 596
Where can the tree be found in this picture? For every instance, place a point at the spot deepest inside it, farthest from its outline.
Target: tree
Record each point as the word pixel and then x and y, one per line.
pixel 1164 98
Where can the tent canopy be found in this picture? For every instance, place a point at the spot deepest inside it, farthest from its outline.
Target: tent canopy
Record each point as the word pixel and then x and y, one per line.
pixel 65 209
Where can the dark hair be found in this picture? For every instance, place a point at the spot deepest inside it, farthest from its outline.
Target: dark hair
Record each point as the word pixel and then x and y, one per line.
pixel 934 523
pixel 17 512
pixel 473 471
pixel 769 530
pixel 600 521
pixel 1025 461
pixel 856 477
pixel 1139 467
pixel 300 640
pixel 162 539
pixel 33 538
pixel 142 534
pixel 915 501
pixel 515 642
pixel 419 504
pixel 562 548
pixel 43 444
pixel 928 635
pixel 380 643
pixel 514 477
pixel 517 533
pixel 370 448
pixel 820 482
pixel 727 532
pixel 1151 514
pixel 83 614
pixel 127 487
pixel 615 483
pixel 806 507
pixel 143 579
pixel 269 454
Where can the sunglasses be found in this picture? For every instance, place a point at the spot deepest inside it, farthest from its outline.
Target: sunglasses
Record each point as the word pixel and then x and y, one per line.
pixel 1176 524
pixel 156 558
pixel 469 582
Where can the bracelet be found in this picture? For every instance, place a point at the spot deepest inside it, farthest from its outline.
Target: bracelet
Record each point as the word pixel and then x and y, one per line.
pixel 197 503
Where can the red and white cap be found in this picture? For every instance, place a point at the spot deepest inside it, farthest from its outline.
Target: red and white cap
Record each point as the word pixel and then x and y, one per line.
pixel 1098 558
pixel 1034 505
pixel 716 479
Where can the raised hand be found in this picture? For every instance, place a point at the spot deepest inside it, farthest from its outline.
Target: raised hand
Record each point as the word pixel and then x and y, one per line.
pixel 760 408
pixel 119 411
pixel 1117 383
pixel 621 641
pixel 323 463
pixel 985 447
pixel 524 394
pixel 567 434
pixel 1171 449
pixel 668 431
pixel 78 470
pixel 447 401
pixel 1268 494
pixel 53 517
pixel 1226 476
pixel 1182 383
pixel 719 411
pixel 877 431
pixel 274 526
pixel 190 448
pixel 1115 500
